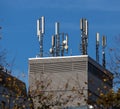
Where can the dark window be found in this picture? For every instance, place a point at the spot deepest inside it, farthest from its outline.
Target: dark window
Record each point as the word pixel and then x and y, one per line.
pixel 99 74
pixel 2 105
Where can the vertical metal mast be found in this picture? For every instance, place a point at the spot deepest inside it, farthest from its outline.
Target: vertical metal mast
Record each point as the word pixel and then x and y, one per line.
pixel 62 46
pixel 97 47
pixel 84 35
pixel 40 33
pixel 103 51
pixel 58 47
pixel 57 39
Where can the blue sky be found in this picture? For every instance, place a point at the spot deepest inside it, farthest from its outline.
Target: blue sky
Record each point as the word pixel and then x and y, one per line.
pixel 18 21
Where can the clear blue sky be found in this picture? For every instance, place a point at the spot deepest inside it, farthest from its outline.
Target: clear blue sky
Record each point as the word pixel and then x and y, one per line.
pixel 18 21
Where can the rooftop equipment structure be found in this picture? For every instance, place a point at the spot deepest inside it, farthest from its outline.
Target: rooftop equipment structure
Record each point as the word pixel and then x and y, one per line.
pixel 40 33
pixel 58 47
pixel 97 46
pixel 84 35
pixel 57 35
pixel 103 51
pixel 64 45
pixel 52 50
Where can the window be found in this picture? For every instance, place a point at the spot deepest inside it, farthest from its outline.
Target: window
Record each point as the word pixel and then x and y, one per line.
pixel 2 105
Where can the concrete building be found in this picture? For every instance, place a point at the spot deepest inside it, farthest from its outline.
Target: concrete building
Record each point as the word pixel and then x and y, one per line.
pixel 13 93
pixel 85 77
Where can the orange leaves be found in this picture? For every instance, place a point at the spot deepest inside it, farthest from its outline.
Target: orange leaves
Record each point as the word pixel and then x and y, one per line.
pixel 89 93
pixel 8 78
pixel 13 84
pixel 109 99
pixel 105 87
pixel 101 94
pixel 104 79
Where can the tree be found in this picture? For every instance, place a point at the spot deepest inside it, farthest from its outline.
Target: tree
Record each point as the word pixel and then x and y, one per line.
pixel 114 62
pixel 3 61
pixel 45 97
pixel 12 91
pixel 3 53
pixel 112 98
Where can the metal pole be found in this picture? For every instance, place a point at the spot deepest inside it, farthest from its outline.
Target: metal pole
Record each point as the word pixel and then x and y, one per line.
pixel 41 45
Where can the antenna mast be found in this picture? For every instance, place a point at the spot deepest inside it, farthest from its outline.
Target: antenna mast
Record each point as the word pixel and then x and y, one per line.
pixel 84 35
pixel 97 46
pixel 103 51
pixel 58 47
pixel 57 39
pixel 40 33
pixel 64 43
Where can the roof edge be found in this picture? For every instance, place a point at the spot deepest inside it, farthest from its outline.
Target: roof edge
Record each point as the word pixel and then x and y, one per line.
pixel 60 57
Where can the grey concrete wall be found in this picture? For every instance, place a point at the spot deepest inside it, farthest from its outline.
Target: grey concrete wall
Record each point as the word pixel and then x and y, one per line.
pixel 72 70
pixel 61 70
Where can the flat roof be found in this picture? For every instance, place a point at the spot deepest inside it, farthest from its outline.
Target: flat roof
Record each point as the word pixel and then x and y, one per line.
pixel 59 57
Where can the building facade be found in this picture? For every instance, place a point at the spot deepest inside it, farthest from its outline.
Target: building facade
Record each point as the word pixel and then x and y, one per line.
pixel 100 81
pixel 13 94
pixel 79 78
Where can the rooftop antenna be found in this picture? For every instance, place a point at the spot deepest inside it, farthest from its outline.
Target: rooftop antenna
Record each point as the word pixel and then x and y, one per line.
pixel 62 46
pixel 84 35
pixel 97 46
pixel 58 48
pixel 64 43
pixel 103 51
pixel 52 50
pixel 70 52
pixel 57 35
pixel 40 33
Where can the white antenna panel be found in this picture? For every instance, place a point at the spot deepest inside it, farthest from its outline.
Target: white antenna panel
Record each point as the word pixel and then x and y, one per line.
pixel 97 37
pixel 86 27
pixel 43 24
pixel 56 28
pixel 38 27
pixel 66 39
pixel 81 24
pixel 53 40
